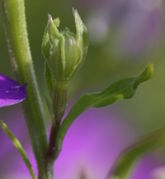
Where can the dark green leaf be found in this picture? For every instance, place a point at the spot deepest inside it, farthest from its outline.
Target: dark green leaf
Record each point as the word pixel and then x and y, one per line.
pixel 123 89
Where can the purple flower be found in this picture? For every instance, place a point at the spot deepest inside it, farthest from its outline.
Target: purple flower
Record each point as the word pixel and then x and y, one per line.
pixel 11 92
pixel 90 148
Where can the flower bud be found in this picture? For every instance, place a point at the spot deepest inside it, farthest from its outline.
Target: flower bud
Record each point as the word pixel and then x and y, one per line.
pixel 64 51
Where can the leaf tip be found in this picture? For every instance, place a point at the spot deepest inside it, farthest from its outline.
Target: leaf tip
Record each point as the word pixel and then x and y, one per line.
pixel 147 73
pixel 150 70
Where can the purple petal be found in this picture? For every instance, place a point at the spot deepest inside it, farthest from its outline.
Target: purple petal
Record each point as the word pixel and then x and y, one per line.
pixel 11 92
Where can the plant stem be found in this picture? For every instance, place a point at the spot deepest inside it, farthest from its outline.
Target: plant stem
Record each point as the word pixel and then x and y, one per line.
pixel 59 105
pixel 19 50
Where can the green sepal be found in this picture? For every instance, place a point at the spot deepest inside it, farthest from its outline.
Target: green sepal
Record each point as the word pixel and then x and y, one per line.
pixel 49 79
pixel 63 50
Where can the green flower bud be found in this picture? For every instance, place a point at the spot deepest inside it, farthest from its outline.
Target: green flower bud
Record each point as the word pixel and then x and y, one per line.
pixel 64 51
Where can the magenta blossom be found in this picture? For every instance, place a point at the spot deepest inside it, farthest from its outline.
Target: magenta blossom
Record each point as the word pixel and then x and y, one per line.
pixel 11 92
pixel 90 148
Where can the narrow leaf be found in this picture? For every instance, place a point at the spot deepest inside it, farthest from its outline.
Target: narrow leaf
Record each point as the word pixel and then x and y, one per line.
pixel 125 162
pixel 123 89
pixel 19 147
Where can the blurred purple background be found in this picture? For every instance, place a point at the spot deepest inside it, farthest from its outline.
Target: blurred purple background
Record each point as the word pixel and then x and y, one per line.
pixel 89 150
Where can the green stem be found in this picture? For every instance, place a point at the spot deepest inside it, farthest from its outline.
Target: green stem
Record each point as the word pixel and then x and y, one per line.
pixel 16 33
pixel 59 106
pixel 59 100
pixel 19 147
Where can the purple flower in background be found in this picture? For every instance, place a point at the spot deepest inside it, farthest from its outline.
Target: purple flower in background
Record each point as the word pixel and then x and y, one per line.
pixel 90 148
pixel 11 92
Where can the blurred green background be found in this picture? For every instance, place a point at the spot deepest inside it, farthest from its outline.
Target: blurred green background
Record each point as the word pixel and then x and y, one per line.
pixel 124 36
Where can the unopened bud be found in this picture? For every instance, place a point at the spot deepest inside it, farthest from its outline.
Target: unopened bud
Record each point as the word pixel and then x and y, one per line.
pixel 64 51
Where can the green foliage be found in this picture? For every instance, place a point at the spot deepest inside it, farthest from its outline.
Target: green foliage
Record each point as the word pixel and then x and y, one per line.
pixel 14 19
pixel 19 147
pixel 123 89
pixel 124 164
